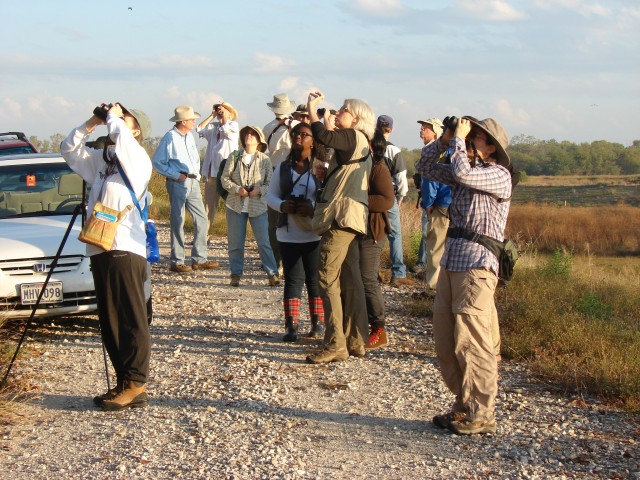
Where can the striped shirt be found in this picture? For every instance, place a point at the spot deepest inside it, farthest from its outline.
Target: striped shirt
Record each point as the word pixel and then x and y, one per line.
pixel 470 207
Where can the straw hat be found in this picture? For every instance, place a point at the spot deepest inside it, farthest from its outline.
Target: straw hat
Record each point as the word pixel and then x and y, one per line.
pixel 228 107
pixel 262 143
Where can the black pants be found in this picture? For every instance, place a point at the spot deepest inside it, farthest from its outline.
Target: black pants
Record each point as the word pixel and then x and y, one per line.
pixel 122 310
pixel 301 264
pixel 370 252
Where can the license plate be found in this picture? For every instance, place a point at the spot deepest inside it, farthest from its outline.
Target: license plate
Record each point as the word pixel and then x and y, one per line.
pixel 29 293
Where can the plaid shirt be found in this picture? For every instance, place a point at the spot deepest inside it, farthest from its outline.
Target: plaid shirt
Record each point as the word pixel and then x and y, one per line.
pixel 470 208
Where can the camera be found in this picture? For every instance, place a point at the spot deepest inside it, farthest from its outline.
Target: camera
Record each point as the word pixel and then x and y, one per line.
pixel 296 198
pixel 450 123
pixel 248 188
pixel 101 111
pixel 321 112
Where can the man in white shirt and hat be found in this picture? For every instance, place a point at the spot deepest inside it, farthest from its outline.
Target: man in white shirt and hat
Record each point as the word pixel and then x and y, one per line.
pixel 279 145
pixel 177 159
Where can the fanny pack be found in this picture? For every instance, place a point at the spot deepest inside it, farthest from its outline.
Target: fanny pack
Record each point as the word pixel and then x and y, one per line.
pixel 506 251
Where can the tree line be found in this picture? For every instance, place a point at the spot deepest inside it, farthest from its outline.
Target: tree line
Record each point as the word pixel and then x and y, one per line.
pixel 529 155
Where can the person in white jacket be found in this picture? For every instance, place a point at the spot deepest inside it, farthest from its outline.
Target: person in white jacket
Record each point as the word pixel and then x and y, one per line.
pixel 119 274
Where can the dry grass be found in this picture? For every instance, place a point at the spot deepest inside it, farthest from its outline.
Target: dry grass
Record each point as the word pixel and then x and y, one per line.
pixel 577 180
pixel 574 320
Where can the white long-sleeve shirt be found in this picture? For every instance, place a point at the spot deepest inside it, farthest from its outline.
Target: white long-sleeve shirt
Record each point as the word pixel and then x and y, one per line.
pixel 222 139
pixel 110 189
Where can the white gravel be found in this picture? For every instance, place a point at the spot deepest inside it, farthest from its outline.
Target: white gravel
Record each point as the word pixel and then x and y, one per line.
pixel 229 399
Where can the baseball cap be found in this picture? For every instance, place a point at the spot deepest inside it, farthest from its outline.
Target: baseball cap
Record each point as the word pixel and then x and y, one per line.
pixel 384 121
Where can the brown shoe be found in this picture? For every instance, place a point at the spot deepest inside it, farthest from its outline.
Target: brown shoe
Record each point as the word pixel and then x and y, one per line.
pixel 235 281
pixel 132 396
pixel 444 420
pixel 470 427
pixel 377 339
pixel 327 355
pixel 180 268
pixel 108 395
pixel 397 281
pixel 357 351
pixel 205 265
pixel 274 281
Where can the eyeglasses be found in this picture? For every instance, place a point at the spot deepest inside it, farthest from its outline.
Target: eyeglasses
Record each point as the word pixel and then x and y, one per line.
pixel 302 134
pixel 344 109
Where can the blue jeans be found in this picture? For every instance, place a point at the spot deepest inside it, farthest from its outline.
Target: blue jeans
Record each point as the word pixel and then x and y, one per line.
pixel 398 269
pixel 236 235
pixel 187 195
pixel 422 251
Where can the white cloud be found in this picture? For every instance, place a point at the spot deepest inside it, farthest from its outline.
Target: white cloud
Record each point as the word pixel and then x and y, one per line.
pixel 266 63
pixel 181 61
pixel 498 10
pixel 288 83
pixel 514 116
pixel 631 12
pixel 595 10
pixel 379 7
pixel 10 109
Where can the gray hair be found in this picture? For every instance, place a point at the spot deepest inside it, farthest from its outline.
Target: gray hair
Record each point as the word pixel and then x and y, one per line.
pixel 366 122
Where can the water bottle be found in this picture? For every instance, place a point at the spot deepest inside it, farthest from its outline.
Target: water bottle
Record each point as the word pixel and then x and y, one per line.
pixel 153 252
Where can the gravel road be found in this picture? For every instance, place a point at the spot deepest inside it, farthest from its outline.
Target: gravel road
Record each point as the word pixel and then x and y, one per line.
pixel 229 399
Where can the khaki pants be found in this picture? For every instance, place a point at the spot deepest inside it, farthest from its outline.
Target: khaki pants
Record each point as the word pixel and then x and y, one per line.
pixel 435 240
pixel 211 197
pixel 463 334
pixel 340 274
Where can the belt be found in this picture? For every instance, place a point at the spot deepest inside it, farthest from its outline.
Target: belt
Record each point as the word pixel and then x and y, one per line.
pixel 189 175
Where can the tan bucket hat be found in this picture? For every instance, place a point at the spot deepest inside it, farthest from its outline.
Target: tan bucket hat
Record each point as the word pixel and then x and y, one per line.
pixel 227 106
pixel 184 112
pixel 498 137
pixel 262 143
pixel 281 104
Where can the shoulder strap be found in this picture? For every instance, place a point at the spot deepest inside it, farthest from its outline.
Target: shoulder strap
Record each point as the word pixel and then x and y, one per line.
pixel 274 131
pixel 143 213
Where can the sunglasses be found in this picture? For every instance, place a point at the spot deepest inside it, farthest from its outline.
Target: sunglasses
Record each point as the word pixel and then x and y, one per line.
pixel 302 134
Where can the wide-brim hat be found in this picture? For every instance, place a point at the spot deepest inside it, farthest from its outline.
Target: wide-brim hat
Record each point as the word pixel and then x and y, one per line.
pixel 302 109
pixel 228 107
pixel 435 124
pixel 262 143
pixel 184 112
pixel 281 104
pixel 498 138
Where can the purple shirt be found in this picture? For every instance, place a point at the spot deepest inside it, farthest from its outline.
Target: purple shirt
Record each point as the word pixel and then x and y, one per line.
pixel 471 208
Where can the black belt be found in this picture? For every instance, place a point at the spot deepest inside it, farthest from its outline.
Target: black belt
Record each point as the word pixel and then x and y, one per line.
pixel 189 175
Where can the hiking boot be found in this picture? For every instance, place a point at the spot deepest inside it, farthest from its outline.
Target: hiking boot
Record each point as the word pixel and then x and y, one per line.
pixel 132 396
pixel 274 280
pixel 357 351
pixel 292 330
pixel 180 268
pixel 377 338
pixel 317 328
pixel 469 427
pixel 444 420
pixel 398 281
pixel 205 265
pixel 108 395
pixel 235 281
pixel 327 355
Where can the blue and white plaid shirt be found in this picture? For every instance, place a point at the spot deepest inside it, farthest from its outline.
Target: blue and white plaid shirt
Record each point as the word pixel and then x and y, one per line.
pixel 470 208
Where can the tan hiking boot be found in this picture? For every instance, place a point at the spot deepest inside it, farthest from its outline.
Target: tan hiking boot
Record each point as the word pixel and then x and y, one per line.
pixel 180 268
pixel 109 394
pixel 327 355
pixel 132 396
pixel 469 427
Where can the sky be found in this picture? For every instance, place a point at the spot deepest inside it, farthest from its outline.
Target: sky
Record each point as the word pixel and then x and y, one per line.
pixel 551 69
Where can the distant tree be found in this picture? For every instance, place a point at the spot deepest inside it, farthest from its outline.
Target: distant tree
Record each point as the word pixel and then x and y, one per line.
pixel 629 159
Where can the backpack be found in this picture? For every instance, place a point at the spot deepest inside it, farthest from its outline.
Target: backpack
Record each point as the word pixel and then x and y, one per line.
pixel 219 188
